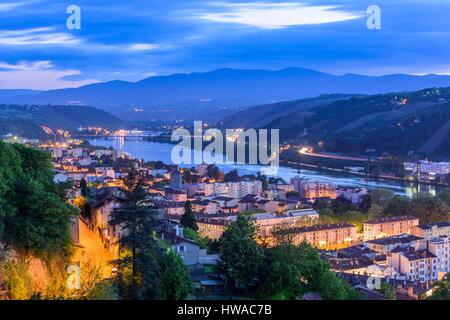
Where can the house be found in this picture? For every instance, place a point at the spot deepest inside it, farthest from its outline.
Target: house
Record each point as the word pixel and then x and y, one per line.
pixel 223 201
pixel 205 206
pixel 102 208
pixel 171 208
pixel 175 195
pixel 187 249
pixel 248 202
pixel 267 205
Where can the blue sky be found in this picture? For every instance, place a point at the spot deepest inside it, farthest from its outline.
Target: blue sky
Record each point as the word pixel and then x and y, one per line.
pixel 134 39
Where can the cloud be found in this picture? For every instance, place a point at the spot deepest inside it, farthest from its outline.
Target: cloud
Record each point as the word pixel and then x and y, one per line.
pixel 38 75
pixel 145 46
pixel 277 15
pixel 8 6
pixel 36 36
pixel 27 66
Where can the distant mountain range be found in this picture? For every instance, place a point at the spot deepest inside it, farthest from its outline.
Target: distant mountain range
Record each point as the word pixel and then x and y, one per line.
pixel 212 95
pixel 26 121
pixel 7 93
pixel 396 123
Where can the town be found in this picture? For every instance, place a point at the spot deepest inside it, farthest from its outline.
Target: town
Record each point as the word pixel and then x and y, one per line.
pixel 363 235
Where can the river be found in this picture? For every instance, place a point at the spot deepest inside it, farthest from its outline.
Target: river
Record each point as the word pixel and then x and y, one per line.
pixel 154 151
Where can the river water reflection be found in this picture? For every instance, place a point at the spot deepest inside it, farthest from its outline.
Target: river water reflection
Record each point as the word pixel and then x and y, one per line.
pixel 153 151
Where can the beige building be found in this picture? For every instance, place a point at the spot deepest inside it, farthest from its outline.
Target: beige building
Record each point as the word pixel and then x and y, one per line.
pixel 390 226
pixel 334 236
pixel 429 230
pixel 314 190
pixel 415 265
pixel 213 227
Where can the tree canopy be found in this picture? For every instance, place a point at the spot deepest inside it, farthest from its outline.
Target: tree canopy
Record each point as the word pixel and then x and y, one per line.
pixel 240 255
pixel 34 215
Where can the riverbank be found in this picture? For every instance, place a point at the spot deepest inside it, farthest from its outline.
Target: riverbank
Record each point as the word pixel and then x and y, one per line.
pixel 155 151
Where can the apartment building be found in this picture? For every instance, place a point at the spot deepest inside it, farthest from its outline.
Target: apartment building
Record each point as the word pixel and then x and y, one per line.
pixel 385 245
pixel 235 190
pixel 440 247
pixel 429 261
pixel 432 230
pixel 415 265
pixel 328 237
pixel 314 190
pixel 389 226
pixel 213 226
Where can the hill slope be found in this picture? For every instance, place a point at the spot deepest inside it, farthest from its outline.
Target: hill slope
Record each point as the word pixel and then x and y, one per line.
pixel 26 120
pixel 221 89
pixel 396 123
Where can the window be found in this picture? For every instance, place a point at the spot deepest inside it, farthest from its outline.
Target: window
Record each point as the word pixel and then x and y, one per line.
pixel 181 248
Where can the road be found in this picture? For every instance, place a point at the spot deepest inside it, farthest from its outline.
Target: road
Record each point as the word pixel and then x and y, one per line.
pixel 309 152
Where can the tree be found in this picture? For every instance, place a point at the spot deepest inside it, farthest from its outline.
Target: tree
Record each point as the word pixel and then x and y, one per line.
pixel 366 203
pixel 84 188
pixel 445 195
pixel 188 218
pixel 34 215
pixel 240 255
pixel 341 205
pixel 214 172
pixel 447 178
pixel 232 176
pixel 374 212
pixel 321 203
pixel 397 206
pixel 429 209
pixel 141 255
pixel 380 197
pixel 176 282
pixel 354 217
pixel 293 194
pixel 283 234
pixel 388 291
pixel 327 216
pixel 291 271
pixel 441 289
pixel 280 276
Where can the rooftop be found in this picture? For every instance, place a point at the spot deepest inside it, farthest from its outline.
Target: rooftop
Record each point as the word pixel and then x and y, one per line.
pixel 400 239
pixel 428 226
pixel 391 219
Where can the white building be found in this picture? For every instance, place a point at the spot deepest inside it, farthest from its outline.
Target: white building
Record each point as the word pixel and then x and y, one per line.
pixel 415 265
pixel 434 168
pixel 429 261
pixel 355 195
pixel 233 189
pixel 428 167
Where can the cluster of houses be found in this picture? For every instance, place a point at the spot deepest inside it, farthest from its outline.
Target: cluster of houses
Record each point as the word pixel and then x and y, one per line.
pixel 397 250
pixel 409 256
